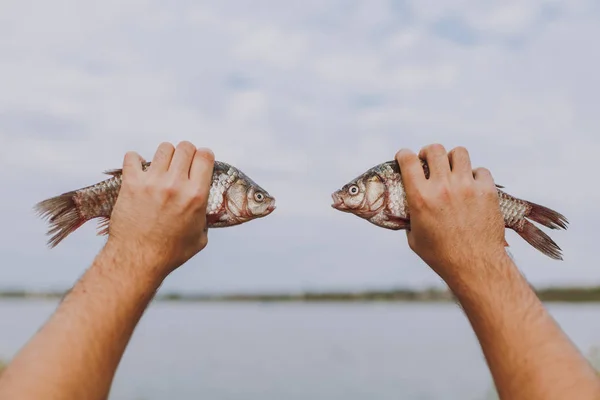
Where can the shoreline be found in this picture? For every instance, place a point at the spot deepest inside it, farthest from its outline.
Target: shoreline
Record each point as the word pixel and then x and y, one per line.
pixel 431 295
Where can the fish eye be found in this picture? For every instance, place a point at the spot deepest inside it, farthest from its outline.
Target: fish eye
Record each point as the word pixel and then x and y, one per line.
pixel 353 190
pixel 258 196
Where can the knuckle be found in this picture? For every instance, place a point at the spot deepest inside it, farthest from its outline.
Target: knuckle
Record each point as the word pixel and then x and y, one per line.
pixel 130 155
pixel 437 147
pixel 459 151
pixel 444 192
pixel 468 190
pixel 490 191
pixel 148 189
pixel 402 154
pixel 130 159
pixel 164 149
pixel 417 201
pixel 186 146
pixel 207 154
pixel 483 173
pixel 165 146
pixel 144 190
pixel 170 189
pixel 434 148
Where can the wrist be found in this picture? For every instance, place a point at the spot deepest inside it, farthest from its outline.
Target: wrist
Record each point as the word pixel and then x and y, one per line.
pixel 130 260
pixel 482 274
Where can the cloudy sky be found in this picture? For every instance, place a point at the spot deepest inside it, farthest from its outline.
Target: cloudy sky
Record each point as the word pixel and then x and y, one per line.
pixel 302 98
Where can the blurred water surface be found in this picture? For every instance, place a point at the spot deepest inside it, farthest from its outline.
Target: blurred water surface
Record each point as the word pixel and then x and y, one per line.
pixel 299 351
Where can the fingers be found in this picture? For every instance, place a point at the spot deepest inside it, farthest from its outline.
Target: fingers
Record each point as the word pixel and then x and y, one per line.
pixel 182 159
pixel 437 159
pixel 484 177
pixel 201 172
pixel 132 163
pixel 162 158
pixel 411 170
pixel 460 162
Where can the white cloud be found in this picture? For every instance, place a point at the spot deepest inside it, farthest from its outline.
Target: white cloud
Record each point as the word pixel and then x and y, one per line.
pixel 303 98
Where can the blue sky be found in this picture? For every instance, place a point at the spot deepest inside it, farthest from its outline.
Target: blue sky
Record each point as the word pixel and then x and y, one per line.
pixel 302 97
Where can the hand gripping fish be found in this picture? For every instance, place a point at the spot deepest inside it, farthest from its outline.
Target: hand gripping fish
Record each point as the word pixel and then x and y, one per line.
pixel 233 199
pixel 378 196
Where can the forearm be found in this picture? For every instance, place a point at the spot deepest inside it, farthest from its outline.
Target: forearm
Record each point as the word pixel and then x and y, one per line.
pixel 528 354
pixel 76 353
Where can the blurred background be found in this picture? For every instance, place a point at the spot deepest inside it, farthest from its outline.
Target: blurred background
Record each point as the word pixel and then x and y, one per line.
pixel 302 97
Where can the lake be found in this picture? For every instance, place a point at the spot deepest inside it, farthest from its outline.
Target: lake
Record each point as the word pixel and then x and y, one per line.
pixel 299 351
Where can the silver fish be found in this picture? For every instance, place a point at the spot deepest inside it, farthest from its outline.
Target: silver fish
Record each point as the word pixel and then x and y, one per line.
pixel 378 196
pixel 233 199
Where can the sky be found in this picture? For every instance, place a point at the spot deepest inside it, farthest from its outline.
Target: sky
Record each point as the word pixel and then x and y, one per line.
pixel 301 97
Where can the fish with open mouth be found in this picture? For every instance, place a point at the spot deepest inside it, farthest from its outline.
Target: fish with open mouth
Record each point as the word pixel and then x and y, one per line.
pixel 233 199
pixel 378 196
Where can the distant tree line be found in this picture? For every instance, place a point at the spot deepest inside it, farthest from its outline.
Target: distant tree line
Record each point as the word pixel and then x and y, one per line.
pixel 550 294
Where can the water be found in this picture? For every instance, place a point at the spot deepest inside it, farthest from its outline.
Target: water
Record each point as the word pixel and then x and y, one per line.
pixel 299 351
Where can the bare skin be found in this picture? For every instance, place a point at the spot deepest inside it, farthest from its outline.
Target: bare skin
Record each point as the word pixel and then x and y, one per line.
pixel 457 229
pixel 158 223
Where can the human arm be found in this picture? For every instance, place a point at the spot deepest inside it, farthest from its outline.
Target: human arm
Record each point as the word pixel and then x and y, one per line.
pixel 458 230
pixel 529 356
pixel 158 223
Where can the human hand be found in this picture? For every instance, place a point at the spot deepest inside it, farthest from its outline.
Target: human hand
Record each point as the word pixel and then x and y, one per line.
pixel 160 214
pixel 455 216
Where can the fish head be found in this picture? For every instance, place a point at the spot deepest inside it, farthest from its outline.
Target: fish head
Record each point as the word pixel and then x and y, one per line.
pixel 246 200
pixel 362 196
pixel 259 203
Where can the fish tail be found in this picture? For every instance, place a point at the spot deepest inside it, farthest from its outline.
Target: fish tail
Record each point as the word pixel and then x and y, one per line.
pixel 540 240
pixel 547 217
pixel 63 215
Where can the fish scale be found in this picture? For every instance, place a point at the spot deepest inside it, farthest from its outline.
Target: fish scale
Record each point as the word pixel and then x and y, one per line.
pixel 513 210
pixel 219 185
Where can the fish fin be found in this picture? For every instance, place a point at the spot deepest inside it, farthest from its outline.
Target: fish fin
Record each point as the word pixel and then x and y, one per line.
pixel 103 225
pixel 540 240
pixel 62 213
pixel 113 172
pixel 119 171
pixel 547 217
pixel 402 223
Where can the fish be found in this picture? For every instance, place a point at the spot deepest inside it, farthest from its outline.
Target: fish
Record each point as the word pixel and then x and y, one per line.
pixel 234 198
pixel 378 196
